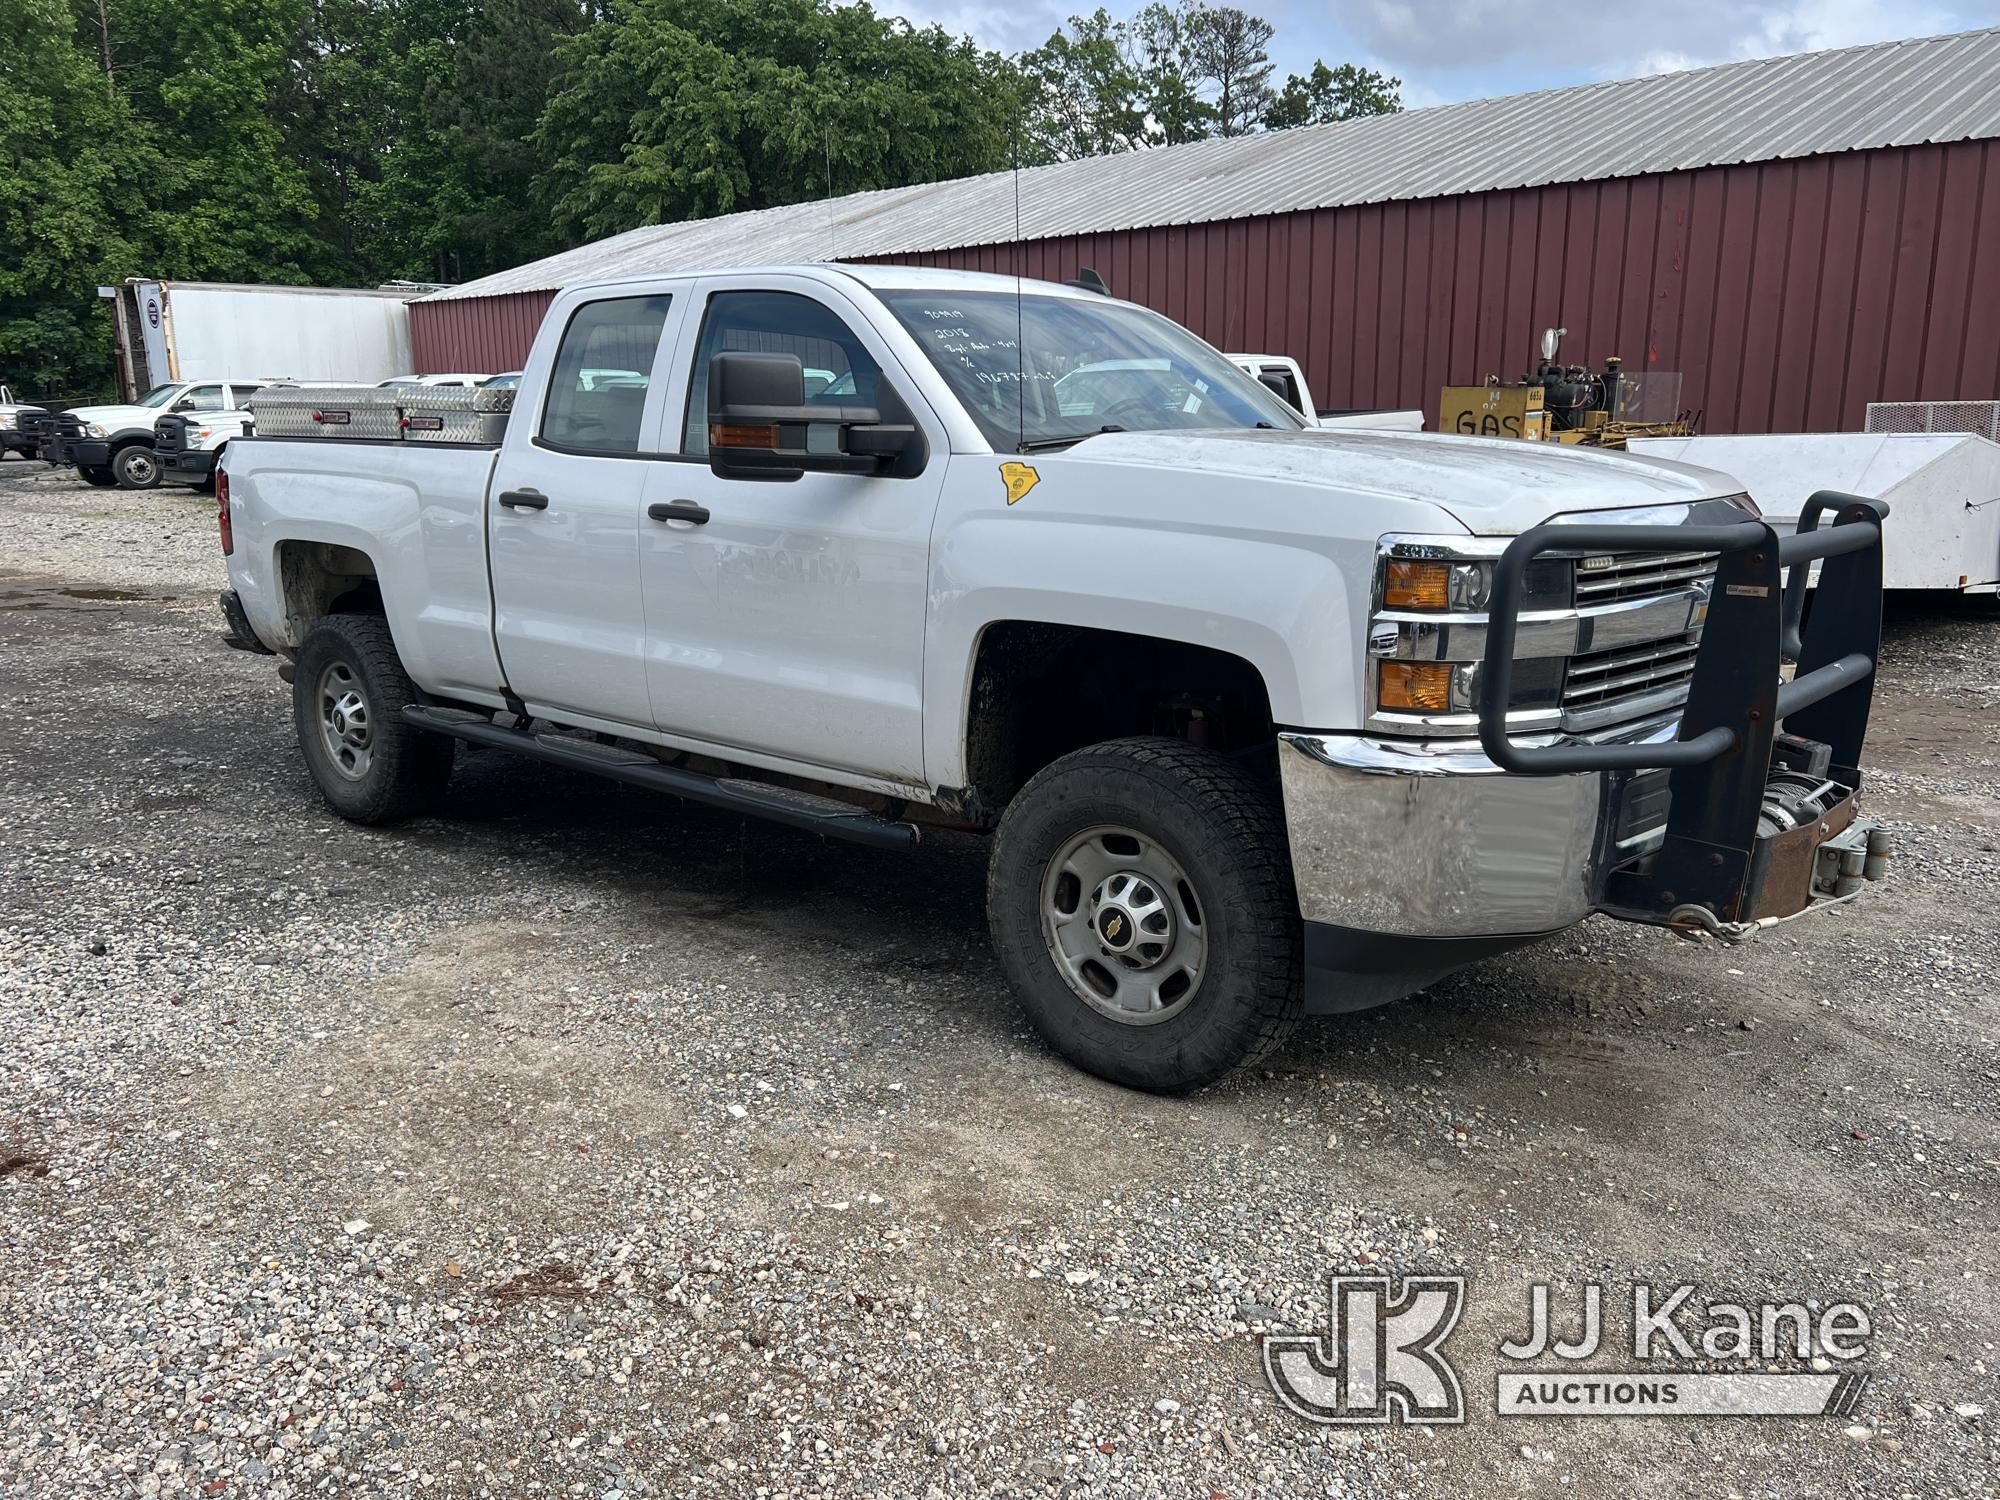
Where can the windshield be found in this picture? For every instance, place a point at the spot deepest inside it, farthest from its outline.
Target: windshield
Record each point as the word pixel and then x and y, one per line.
pixel 157 396
pixel 1036 371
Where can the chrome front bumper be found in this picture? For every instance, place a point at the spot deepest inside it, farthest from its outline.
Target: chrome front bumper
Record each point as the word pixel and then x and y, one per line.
pixel 1417 839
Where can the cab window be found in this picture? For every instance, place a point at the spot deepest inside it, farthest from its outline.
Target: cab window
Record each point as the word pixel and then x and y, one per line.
pixel 201 398
pixel 597 389
pixel 839 370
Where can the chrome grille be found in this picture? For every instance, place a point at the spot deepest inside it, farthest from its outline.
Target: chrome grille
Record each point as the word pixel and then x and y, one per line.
pixel 1638 679
pixel 1639 575
pixel 1599 679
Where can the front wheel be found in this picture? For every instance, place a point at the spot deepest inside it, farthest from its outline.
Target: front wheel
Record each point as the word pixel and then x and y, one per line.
pixel 349 691
pixel 135 467
pixel 1140 895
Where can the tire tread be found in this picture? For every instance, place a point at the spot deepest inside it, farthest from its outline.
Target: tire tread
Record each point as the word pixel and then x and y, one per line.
pixel 1251 821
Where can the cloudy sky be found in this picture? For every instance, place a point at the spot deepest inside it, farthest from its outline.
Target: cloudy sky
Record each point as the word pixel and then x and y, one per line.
pixel 1446 50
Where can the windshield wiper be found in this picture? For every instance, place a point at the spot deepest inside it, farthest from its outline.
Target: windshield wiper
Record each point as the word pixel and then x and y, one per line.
pixel 1044 445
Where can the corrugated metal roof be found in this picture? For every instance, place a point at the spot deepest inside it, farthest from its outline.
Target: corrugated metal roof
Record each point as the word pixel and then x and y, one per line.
pixel 1905 93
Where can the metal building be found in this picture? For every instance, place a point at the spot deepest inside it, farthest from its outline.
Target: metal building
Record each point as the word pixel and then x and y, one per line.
pixel 1798 236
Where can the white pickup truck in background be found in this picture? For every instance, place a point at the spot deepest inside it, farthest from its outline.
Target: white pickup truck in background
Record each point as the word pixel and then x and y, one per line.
pixel 1281 375
pixel 1262 719
pixel 188 446
pixel 15 434
pixel 113 445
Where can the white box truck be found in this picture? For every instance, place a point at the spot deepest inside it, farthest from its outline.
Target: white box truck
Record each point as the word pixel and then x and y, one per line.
pixel 170 331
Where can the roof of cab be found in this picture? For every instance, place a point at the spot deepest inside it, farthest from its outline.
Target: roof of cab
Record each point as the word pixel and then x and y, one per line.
pixel 876 278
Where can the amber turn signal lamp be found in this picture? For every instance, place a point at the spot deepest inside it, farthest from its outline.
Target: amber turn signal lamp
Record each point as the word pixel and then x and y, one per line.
pixel 1417 585
pixel 729 435
pixel 1414 686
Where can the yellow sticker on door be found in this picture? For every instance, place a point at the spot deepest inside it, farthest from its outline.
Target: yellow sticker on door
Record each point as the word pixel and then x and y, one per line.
pixel 1019 479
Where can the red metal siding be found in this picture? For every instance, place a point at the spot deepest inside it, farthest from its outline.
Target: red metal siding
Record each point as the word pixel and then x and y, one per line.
pixel 481 335
pixel 1788 293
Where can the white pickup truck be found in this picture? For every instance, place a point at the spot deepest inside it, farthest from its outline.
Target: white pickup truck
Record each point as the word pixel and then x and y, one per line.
pixel 1263 720
pixel 113 445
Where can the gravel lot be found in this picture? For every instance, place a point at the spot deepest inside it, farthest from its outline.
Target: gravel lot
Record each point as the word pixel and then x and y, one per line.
pixel 581 1143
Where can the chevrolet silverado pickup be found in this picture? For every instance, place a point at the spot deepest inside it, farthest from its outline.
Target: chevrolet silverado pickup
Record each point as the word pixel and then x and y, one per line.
pixel 1262 720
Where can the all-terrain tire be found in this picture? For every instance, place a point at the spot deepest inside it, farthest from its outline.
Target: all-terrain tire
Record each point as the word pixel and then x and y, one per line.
pixel 1223 828
pixel 390 769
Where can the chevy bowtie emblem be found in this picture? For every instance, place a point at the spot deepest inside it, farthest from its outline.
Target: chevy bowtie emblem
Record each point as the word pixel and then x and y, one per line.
pixel 1113 925
pixel 1019 479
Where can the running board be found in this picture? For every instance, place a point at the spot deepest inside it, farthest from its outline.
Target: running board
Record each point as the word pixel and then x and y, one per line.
pixel 778 804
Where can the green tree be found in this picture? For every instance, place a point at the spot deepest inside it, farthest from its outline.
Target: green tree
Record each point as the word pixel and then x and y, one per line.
pixel 73 168
pixel 1160 46
pixel 1328 94
pixel 1231 53
pixel 1081 93
pixel 676 109
pixel 230 200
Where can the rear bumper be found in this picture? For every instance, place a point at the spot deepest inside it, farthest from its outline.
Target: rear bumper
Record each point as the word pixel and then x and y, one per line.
pixel 241 635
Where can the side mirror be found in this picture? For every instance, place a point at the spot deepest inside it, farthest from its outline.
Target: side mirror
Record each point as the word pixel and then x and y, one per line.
pixel 186 403
pixel 758 424
pixel 1274 381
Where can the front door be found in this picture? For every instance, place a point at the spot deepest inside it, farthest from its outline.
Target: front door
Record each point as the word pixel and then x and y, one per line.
pixel 566 508
pixel 790 622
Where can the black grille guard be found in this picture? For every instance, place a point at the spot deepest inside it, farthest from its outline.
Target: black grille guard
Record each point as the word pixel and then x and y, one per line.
pixel 1721 759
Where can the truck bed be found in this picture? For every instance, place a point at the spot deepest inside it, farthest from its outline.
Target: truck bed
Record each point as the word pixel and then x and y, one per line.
pixel 415 510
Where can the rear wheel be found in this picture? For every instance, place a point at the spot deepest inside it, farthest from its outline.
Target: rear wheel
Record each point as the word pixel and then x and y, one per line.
pixel 99 475
pixel 135 467
pixel 1141 899
pixel 349 691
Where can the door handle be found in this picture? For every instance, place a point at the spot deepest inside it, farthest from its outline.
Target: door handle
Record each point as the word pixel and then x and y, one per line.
pixel 678 510
pixel 524 500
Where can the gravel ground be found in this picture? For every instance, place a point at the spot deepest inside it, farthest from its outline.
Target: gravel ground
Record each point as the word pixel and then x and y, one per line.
pixel 581 1143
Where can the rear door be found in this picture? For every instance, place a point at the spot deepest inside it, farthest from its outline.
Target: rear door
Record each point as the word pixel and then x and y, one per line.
pixel 566 507
pixel 788 621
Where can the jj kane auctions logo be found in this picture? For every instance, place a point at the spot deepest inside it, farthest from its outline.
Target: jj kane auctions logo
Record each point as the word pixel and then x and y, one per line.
pixel 1382 1357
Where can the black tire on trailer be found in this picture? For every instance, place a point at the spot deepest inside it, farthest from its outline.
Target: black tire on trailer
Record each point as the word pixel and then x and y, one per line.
pixel 136 467
pixel 349 690
pixel 1140 896
pixel 99 475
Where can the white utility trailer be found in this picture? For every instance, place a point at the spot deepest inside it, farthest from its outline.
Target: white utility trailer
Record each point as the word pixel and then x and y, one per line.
pixel 1943 489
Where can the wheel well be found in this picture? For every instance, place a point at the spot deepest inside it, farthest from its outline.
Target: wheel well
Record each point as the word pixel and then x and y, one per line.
pixel 1040 691
pixel 319 579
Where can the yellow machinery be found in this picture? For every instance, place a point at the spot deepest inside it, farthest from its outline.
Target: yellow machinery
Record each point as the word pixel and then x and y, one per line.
pixel 1569 404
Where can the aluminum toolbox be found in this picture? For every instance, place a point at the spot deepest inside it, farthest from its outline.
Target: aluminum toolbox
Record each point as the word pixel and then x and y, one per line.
pixel 332 411
pixel 455 414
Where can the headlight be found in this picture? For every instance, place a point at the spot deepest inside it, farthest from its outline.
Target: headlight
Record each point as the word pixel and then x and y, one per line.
pixel 1431 584
pixel 97 429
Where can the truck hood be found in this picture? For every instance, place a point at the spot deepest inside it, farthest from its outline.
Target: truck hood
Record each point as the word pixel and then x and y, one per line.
pixel 114 417
pixel 1491 486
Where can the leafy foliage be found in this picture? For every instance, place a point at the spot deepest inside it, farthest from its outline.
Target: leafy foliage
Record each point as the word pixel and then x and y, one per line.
pixel 351 141
pixel 1328 94
pixel 1178 70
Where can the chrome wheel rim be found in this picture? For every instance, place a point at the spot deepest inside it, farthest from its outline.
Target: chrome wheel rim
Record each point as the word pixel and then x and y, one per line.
pixel 343 721
pixel 1124 925
pixel 139 468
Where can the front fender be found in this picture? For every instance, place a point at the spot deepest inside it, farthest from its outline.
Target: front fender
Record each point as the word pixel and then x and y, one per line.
pixel 1282 608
